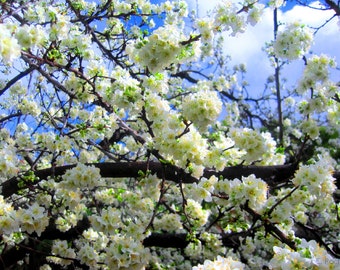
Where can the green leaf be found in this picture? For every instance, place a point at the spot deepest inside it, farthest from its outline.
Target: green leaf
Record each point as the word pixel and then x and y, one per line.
pixel 280 150
pixel 165 162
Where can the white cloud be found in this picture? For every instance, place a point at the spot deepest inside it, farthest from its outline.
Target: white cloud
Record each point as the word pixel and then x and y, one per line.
pixel 327 36
pixel 202 6
pixel 309 16
pixel 247 47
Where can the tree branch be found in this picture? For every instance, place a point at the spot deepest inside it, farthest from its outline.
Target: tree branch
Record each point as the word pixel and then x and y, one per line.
pixel 333 6
pixel 273 175
pixel 16 78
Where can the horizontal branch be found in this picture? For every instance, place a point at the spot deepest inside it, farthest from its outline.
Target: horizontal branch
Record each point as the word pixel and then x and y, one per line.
pixel 180 240
pixel 273 175
pixel 109 170
pixel 13 254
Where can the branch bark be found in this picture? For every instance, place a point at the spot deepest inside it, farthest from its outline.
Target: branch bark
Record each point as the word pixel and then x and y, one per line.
pixel 333 6
pixel 12 255
pixel 273 175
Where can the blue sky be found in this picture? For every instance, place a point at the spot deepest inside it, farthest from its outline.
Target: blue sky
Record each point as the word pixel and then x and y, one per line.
pixel 247 48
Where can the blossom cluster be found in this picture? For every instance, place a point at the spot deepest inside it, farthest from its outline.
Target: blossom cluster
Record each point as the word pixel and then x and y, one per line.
pixel 33 219
pixel 124 92
pixel 30 36
pixel 9 47
pixel 309 255
pixel 8 222
pixel 8 162
pixel 30 220
pixel 317 178
pixel 126 253
pixel 293 42
pixel 203 190
pixel 310 128
pixel 220 263
pixel 316 74
pixel 258 147
pixel 168 222
pixel 205 28
pixel 227 18
pixel 160 49
pixel 118 81
pixel 316 80
pixel 235 192
pixel 82 176
pixel 15 38
pixel 197 216
pixel 180 146
pixel 60 250
pixel 251 141
pixel 202 108
pixel 222 153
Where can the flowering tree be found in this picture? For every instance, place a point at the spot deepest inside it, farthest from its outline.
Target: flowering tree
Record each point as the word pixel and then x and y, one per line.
pixel 128 141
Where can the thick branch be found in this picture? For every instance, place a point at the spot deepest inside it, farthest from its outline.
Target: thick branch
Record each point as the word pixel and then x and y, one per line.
pixel 12 255
pixel 109 170
pixel 271 174
pixel 165 240
pixel 333 6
